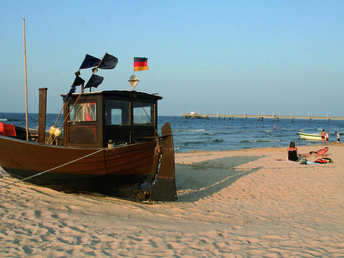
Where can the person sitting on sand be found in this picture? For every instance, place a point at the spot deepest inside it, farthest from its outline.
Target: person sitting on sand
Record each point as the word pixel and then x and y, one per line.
pixel 292 152
pixel 318 153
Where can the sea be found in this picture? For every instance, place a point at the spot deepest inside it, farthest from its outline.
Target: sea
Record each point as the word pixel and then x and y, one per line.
pixel 215 134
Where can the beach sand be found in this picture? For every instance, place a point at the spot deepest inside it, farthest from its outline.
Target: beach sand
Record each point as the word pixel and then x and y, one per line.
pixel 243 203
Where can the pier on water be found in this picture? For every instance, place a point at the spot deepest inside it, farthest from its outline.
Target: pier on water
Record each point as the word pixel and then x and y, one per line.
pixel 259 117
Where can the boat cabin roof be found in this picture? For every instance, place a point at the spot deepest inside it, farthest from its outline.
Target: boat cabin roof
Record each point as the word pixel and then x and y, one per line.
pixel 119 93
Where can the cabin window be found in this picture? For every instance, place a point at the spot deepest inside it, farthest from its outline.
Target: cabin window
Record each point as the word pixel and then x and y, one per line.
pixel 117 112
pixel 143 113
pixel 83 112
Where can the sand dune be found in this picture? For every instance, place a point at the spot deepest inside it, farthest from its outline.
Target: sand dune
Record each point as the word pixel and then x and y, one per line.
pixel 231 204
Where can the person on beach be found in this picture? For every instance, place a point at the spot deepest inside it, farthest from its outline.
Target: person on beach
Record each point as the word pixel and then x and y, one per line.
pixel 327 137
pixel 338 137
pixel 323 136
pixel 318 153
pixel 292 152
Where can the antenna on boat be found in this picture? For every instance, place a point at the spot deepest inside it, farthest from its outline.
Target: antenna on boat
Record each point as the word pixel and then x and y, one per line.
pixel 133 81
pixel 26 101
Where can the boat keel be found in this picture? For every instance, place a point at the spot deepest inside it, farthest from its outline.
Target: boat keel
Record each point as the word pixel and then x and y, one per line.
pixel 164 188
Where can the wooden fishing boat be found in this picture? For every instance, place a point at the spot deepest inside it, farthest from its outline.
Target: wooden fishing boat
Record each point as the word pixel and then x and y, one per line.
pixel 109 145
pixel 310 136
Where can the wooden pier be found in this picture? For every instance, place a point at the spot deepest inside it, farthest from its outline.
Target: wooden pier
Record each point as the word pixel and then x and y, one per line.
pixel 259 117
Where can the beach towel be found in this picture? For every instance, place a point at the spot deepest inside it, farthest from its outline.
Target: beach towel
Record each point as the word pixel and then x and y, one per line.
pixel 324 160
pixel 301 161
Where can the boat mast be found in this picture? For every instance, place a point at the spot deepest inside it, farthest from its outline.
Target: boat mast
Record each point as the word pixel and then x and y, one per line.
pixel 26 102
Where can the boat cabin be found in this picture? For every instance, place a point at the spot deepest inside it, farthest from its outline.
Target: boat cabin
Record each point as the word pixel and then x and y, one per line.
pixel 122 117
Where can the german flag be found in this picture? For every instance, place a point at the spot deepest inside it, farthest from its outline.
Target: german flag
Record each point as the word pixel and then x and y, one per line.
pixel 140 63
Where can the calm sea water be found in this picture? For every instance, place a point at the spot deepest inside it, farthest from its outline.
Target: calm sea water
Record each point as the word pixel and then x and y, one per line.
pixel 220 134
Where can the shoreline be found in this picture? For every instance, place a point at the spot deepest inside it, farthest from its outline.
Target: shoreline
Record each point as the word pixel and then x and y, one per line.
pixel 222 153
pixel 230 203
pixel 277 147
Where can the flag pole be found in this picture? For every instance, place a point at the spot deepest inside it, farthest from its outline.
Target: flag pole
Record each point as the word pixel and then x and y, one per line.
pixel 25 71
pixel 102 59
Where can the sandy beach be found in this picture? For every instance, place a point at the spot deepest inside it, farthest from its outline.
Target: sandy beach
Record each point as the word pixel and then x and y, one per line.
pixel 243 203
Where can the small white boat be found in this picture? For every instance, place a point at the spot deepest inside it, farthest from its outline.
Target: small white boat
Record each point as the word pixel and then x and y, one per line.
pixel 310 136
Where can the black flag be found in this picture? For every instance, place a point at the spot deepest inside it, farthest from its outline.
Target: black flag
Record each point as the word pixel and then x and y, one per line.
pixel 108 62
pixel 71 91
pixel 94 81
pixel 89 61
pixel 78 81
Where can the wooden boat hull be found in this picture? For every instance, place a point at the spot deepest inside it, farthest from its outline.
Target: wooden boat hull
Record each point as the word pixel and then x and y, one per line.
pixel 111 171
pixel 310 136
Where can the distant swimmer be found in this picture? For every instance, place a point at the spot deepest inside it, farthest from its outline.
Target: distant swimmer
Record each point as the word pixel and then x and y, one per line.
pixel 323 136
pixel 338 137
pixel 327 137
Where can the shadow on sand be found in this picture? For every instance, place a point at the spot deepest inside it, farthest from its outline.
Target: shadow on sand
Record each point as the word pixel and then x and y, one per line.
pixel 199 180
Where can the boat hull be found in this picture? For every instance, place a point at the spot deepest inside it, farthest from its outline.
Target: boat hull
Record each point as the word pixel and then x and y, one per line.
pixel 309 136
pixel 111 171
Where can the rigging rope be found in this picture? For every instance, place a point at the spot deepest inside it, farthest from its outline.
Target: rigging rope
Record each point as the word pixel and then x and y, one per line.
pixel 64 121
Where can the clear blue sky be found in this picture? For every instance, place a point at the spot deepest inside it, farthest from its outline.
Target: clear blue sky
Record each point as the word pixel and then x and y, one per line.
pixel 210 56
